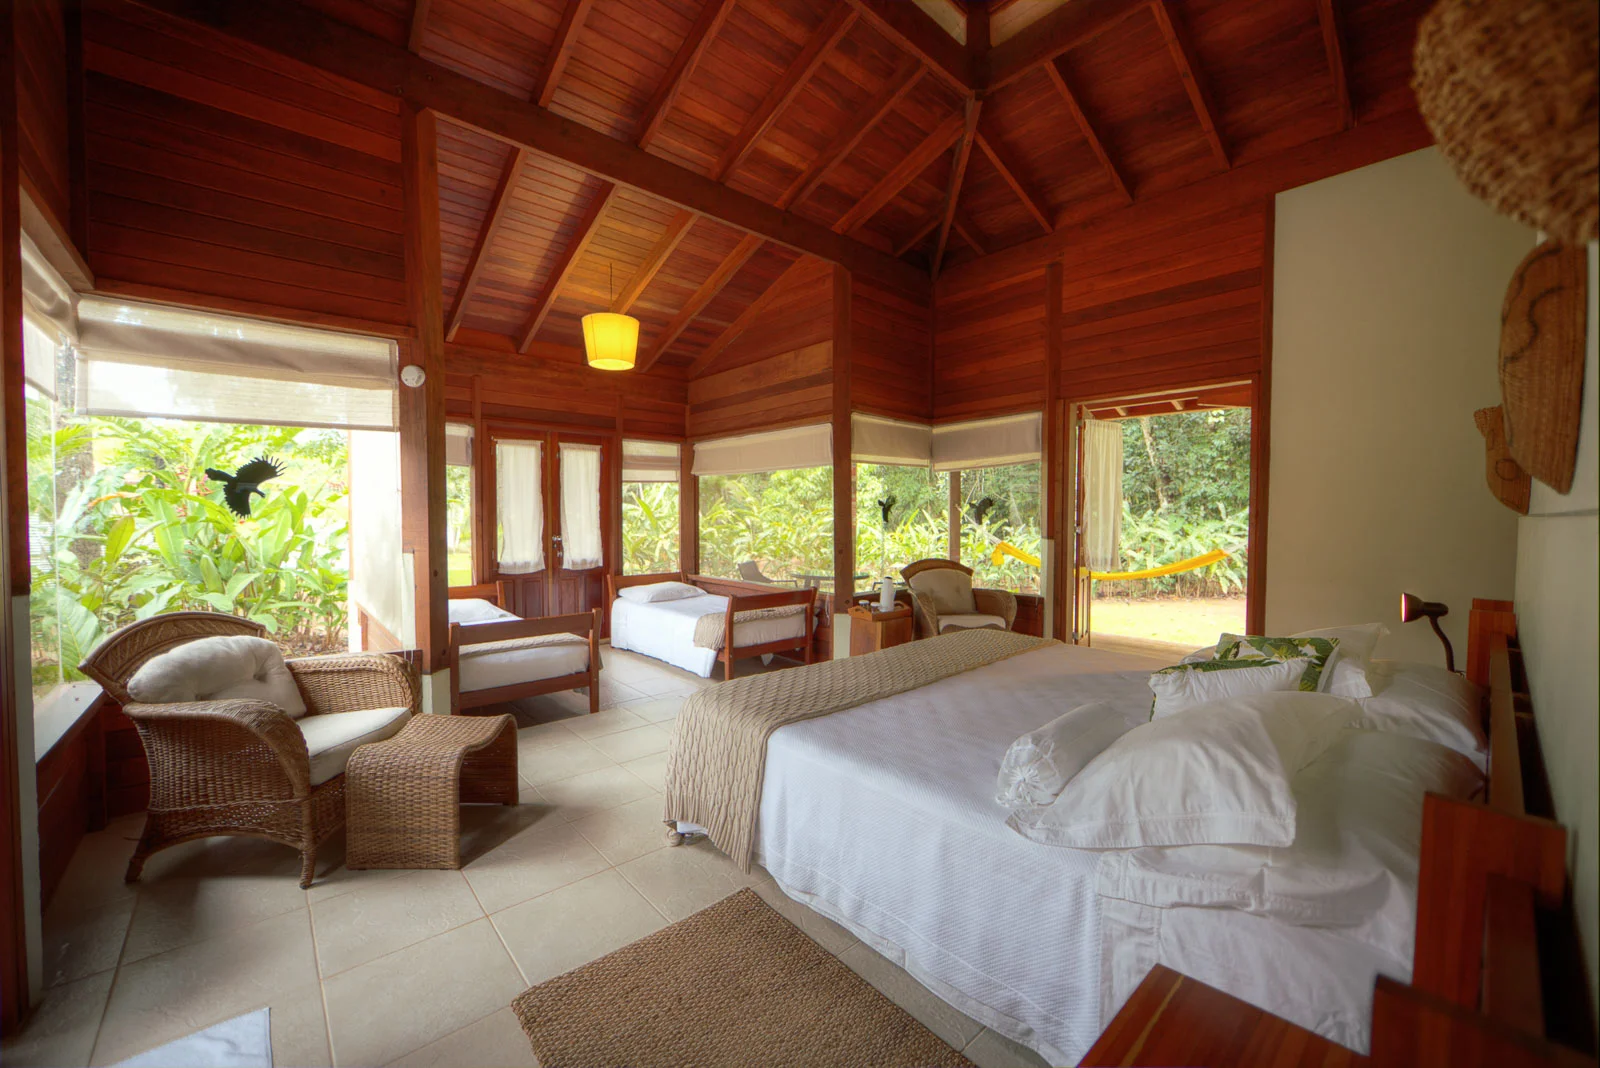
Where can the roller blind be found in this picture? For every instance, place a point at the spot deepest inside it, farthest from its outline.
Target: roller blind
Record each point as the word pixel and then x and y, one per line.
pixel 1011 439
pixel 458 444
pixel 778 450
pixel 46 298
pixel 148 360
pixel 38 357
pixel 650 461
pixel 875 440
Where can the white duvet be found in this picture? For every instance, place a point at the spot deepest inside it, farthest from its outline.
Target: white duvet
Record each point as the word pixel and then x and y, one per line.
pixel 665 630
pixel 485 671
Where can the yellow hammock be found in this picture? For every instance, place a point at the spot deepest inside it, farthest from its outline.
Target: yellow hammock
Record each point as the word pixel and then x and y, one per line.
pixel 1005 549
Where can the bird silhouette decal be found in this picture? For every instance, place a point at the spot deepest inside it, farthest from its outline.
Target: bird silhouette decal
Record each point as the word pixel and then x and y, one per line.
pixel 979 510
pixel 236 489
pixel 885 506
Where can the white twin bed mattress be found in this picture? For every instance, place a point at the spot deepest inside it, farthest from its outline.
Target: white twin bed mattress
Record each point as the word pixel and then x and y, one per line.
pixel 665 630
pixel 485 671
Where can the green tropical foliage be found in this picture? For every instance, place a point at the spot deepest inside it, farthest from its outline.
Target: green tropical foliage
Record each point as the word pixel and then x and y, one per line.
pixel 650 532
pixel 783 520
pixel 1155 538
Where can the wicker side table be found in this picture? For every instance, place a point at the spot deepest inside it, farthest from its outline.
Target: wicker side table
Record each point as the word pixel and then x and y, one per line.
pixel 403 796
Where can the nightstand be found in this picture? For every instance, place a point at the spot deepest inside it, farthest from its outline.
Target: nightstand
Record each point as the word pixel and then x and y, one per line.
pixel 1173 1019
pixel 871 630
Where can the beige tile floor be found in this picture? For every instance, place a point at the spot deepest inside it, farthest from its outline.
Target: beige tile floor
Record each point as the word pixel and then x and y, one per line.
pixel 414 968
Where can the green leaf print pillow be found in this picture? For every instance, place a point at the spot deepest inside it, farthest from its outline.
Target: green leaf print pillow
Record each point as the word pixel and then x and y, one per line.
pixel 1319 653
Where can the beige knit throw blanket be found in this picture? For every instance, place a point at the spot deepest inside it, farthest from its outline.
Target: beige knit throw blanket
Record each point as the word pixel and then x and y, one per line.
pixel 718 754
pixel 709 629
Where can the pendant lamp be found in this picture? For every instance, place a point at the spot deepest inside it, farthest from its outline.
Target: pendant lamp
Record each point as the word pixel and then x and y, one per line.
pixel 610 339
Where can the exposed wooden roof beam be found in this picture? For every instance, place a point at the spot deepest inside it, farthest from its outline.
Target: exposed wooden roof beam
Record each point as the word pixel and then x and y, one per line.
pixel 894 90
pixel 958 174
pixel 677 229
pixel 1058 78
pixel 921 233
pixel 901 175
pixel 751 312
pixel 836 25
pixel 968 232
pixel 910 29
pixel 1171 25
pixel 701 33
pixel 1066 27
pixel 419 24
pixel 581 236
pixel 961 226
pixel 308 36
pixel 748 246
pixel 1008 171
pixel 1332 23
pixel 572 15
pixel 978 41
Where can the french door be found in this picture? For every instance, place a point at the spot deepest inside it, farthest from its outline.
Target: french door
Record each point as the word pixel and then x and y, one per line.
pixel 547 518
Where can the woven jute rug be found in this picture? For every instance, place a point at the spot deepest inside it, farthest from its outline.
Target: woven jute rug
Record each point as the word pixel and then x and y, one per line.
pixel 734 984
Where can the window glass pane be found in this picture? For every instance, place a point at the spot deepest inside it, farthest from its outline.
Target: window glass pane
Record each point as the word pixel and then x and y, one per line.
pixel 1000 511
pixel 779 521
pixel 650 531
pixel 43 618
pixel 918 522
pixel 458 523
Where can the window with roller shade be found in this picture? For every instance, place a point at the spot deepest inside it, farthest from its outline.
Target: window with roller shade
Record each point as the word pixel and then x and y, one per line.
pixel 651 495
pixel 766 506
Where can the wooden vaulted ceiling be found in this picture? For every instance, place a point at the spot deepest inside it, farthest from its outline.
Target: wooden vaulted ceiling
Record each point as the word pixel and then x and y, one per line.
pixel 936 132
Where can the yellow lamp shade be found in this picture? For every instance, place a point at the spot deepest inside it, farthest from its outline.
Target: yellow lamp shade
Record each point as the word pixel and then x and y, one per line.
pixel 610 340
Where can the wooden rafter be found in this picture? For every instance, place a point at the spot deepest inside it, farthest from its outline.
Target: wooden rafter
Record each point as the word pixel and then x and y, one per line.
pixel 748 246
pixel 1066 27
pixel 894 90
pixel 1172 28
pixel 838 22
pixel 677 229
pixel 1332 23
pixel 679 71
pixel 581 236
pixel 913 30
pixel 960 225
pixel 901 175
pixel 572 15
pixel 1008 171
pixel 1058 78
pixel 968 232
pixel 419 24
pixel 751 313
pixel 958 174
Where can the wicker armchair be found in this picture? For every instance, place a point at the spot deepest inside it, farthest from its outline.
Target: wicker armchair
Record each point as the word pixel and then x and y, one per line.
pixel 239 767
pixel 996 609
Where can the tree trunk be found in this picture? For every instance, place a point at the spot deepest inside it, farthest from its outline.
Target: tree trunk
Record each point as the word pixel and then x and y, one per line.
pixel 1157 471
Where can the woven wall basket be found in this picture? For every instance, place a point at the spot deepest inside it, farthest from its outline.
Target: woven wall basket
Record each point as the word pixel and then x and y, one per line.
pixel 1511 91
pixel 1542 331
pixel 1507 480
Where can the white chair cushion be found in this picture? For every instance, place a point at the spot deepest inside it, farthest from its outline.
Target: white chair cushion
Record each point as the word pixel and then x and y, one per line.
pixel 950 589
pixel 969 621
pixel 332 738
pixel 226 667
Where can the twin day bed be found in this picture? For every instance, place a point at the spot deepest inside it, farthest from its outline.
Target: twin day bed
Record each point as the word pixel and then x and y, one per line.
pixel 868 789
pixel 495 656
pixel 694 622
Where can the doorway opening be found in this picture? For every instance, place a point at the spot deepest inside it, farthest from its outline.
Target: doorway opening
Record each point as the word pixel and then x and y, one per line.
pixel 1164 505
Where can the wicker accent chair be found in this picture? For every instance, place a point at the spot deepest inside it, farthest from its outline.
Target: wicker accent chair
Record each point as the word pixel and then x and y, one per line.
pixel 240 767
pixel 943 599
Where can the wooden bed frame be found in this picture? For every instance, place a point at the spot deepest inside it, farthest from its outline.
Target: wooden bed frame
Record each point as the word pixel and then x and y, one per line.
pixel 742 597
pixel 579 623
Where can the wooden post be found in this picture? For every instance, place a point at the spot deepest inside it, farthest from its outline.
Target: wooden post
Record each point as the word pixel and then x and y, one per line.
pixel 422 466
pixel 688 513
pixel 1255 588
pixel 953 535
pixel 844 482
pixel 1055 480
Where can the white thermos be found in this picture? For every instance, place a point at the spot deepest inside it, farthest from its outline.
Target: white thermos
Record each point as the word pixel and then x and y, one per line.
pixel 886 594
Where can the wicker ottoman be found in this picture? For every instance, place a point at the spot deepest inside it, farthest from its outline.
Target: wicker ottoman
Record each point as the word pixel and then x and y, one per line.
pixel 403 796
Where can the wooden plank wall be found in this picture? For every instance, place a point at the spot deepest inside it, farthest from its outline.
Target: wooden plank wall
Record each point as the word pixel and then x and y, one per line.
pixel 990 350
pixel 892 334
pixel 43 147
pixel 236 177
pixel 778 372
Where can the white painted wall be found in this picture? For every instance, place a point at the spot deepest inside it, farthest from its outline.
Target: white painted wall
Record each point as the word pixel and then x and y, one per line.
pixel 1386 324
pixel 1558 618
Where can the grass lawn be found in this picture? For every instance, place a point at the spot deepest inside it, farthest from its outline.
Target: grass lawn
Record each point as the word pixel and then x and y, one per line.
pixel 1183 621
pixel 460 569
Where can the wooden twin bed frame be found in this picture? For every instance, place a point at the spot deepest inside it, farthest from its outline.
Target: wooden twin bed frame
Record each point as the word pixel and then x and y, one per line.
pixel 583 624
pixel 742 597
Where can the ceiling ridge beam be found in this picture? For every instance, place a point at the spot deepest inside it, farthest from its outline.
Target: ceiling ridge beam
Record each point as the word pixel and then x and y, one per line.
pixel 702 32
pixel 838 23
pixel 1170 22
pixel 911 30
pixel 1064 28
pixel 581 236
pixel 308 36
pixel 748 246
pixel 751 312
pixel 958 174
pixel 1058 77
pixel 677 230
pixel 1008 172
pixel 901 175
pixel 899 85
pixel 1333 44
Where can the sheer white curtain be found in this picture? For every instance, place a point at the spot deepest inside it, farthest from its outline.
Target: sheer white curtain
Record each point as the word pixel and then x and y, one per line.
pixel 580 507
pixel 519 495
pixel 1102 493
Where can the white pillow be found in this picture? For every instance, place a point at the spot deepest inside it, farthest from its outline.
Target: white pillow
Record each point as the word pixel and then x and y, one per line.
pixel 1185 686
pixel 476 610
pixel 1040 763
pixel 1351 675
pixel 1425 701
pixel 656 592
pixel 1214 775
pixel 1354 859
pixel 226 667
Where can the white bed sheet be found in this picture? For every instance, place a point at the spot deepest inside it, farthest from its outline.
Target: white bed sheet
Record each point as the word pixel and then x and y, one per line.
pixel 883 818
pixel 665 630
pixel 488 670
